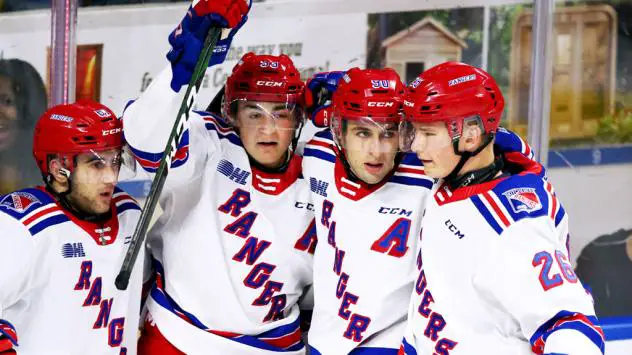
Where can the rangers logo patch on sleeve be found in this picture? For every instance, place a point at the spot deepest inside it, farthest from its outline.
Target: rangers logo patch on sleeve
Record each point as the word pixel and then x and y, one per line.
pixel 523 199
pixel 19 201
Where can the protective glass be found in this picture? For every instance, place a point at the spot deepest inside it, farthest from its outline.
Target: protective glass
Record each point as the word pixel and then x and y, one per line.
pixel 279 115
pixel 366 134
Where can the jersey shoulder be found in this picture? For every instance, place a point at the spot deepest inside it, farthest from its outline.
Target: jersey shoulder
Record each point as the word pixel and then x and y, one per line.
pixel 218 126
pixel 124 201
pixel 33 208
pixel 509 142
pixel 522 197
pixel 320 148
pixel 410 172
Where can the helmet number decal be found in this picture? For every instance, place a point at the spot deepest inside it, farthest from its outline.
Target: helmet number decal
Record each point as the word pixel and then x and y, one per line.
pixel 416 83
pixel 266 64
pixel 379 84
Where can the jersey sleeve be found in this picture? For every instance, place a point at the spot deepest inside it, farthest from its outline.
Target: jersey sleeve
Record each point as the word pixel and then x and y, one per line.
pixel 509 142
pixel 147 124
pixel 17 252
pixel 527 273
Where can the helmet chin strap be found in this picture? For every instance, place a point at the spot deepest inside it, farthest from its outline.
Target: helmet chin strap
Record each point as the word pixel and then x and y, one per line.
pixel 455 181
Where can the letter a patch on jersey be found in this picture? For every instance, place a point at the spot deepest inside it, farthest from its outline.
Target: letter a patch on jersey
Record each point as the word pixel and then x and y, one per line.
pixel 394 241
pixel 523 199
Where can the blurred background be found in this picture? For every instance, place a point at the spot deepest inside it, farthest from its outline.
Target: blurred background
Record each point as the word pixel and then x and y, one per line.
pixel 568 87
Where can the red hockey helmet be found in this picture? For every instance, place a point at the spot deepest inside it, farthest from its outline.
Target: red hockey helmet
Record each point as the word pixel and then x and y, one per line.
pixel 453 92
pixel 368 95
pixel 67 130
pixel 265 78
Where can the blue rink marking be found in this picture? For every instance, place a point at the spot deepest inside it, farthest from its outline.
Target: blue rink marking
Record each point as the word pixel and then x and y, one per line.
pixel 592 156
pixel 616 328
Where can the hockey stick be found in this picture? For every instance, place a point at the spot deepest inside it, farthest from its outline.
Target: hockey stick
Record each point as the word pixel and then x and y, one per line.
pixel 122 280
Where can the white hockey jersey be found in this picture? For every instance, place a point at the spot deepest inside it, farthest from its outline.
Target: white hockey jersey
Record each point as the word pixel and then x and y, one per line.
pixel 57 288
pixel 493 274
pixel 364 261
pixel 233 247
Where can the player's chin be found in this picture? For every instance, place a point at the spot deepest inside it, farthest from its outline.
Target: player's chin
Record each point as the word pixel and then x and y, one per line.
pixel 372 177
pixel 434 172
pixel 268 158
pixel 102 203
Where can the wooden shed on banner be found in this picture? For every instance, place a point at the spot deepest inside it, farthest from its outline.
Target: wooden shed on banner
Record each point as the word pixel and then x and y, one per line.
pixel 584 70
pixel 421 46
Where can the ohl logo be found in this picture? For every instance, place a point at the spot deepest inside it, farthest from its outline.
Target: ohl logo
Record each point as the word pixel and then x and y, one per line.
pixel 232 172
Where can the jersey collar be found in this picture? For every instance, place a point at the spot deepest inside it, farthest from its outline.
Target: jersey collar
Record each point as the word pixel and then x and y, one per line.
pixel 355 189
pixel 274 183
pixel 103 233
pixel 515 164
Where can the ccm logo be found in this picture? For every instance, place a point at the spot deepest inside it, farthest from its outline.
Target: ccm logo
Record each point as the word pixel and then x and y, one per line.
pixel 112 131
pixel 273 84
pixel 381 104
pixel 408 104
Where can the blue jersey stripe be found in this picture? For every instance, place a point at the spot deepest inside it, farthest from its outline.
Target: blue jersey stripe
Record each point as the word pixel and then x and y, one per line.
pixel 127 206
pixel 405 180
pixel 308 152
pixel 155 157
pixel 231 137
pixel 560 215
pixel 164 300
pixel 219 120
pixel 373 351
pixel 5 328
pixel 364 351
pixel 411 159
pixel 408 349
pixel 486 214
pixel 546 329
pixel 48 222
pixel 282 330
pixel 325 134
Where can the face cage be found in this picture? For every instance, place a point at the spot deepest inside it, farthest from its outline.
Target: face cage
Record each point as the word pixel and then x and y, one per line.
pixel 124 159
pixel 284 115
pixel 407 131
pixel 339 125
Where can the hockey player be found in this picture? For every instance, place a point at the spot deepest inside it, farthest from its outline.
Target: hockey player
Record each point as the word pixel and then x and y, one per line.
pixel 493 270
pixel 63 244
pixel 232 250
pixel 366 198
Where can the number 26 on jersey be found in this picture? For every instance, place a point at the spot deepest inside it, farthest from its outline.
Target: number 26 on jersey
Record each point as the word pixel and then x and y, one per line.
pixel 550 265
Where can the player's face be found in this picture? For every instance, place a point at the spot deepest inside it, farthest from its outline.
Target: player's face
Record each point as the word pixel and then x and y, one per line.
pixel 370 149
pixel 266 129
pixel 8 114
pixel 433 146
pixel 93 180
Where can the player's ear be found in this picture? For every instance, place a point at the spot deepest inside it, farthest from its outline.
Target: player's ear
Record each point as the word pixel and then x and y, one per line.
pixel 472 136
pixel 59 173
